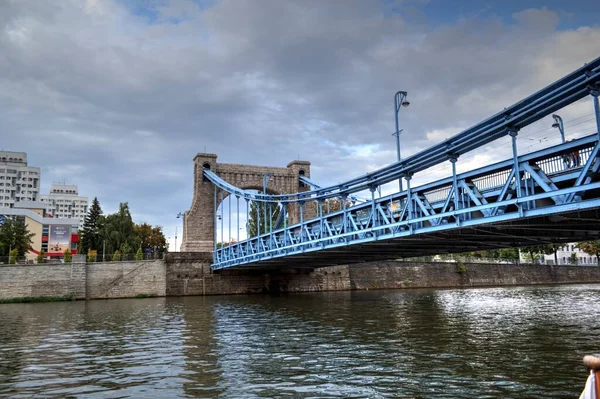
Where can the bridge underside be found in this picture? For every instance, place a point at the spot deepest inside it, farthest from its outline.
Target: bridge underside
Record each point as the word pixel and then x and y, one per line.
pixel 558 228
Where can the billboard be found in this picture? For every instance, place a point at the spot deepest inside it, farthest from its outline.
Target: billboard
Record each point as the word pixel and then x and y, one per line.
pixel 59 238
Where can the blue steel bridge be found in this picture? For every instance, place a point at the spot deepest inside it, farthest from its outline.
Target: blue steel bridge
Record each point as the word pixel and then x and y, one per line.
pixel 550 195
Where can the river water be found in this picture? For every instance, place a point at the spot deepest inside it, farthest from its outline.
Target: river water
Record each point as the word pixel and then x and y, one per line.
pixel 520 342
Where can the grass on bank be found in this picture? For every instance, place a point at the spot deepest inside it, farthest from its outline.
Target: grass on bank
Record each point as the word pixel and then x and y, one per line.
pixel 36 299
pixel 145 296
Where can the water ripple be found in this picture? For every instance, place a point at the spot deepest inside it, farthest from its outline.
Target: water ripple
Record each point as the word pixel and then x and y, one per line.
pixel 481 343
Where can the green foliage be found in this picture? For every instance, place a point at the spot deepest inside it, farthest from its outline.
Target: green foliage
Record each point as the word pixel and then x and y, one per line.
pixel 328 206
pixel 116 256
pixel 92 255
pixel 41 258
pixel 117 229
pixel 14 235
pixel 35 299
pixel 12 259
pixel 139 255
pixel 91 237
pixel 272 213
pixel 145 296
pixel 119 233
pixel 67 256
pixel 535 251
pixel 461 267
pixel 573 260
pixel 125 251
pixel 150 237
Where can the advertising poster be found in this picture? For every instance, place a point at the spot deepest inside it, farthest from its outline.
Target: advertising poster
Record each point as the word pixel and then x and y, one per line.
pixel 59 238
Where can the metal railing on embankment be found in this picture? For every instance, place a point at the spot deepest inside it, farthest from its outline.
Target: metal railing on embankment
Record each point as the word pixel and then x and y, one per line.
pixel 23 260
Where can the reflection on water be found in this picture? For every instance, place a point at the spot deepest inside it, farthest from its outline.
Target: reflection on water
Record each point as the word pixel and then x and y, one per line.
pixel 480 343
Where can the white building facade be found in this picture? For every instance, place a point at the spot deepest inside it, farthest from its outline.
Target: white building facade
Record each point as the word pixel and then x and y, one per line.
pixel 568 253
pixel 18 181
pixel 65 202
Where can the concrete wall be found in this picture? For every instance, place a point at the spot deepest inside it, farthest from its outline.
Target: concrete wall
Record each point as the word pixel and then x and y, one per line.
pixel 190 274
pixel 62 280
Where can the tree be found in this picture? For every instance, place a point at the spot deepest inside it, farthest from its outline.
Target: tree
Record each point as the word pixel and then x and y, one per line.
pixel 139 255
pixel 328 206
pixel 573 260
pixel 126 251
pixel 591 248
pixel 150 237
pixel 67 256
pixel 508 253
pixel 91 237
pixel 551 249
pixel 272 212
pixel 534 252
pixel 14 235
pixel 118 229
pixel 41 258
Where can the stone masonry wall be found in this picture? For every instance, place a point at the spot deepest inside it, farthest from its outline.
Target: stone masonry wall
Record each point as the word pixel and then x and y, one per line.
pixel 125 279
pixel 190 274
pixel 62 280
pixel 393 274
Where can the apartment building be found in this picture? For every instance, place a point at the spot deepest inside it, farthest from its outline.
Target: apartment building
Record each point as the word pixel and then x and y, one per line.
pixel 65 202
pixel 18 181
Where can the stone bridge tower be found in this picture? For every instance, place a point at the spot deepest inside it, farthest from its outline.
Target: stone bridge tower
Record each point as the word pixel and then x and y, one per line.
pixel 198 222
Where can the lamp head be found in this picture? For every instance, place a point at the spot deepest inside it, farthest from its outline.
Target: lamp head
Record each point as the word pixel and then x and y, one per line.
pixel 555 125
pixel 405 103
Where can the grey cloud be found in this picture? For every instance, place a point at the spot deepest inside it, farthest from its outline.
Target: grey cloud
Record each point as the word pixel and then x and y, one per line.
pixel 254 84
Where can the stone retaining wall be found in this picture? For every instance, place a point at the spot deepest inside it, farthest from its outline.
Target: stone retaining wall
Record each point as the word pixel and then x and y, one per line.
pixel 392 274
pixel 125 279
pixel 190 274
pixel 61 280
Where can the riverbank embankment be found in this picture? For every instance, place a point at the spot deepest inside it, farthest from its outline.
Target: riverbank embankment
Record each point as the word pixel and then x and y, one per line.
pixel 189 274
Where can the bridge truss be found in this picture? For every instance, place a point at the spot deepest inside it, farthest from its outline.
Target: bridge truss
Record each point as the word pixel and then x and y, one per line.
pixel 551 195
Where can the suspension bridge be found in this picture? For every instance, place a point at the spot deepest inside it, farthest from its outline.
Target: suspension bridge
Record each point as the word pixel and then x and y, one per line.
pixel 548 195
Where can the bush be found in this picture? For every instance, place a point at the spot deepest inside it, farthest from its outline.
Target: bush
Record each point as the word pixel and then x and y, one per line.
pixel 139 255
pixel 92 255
pixel 12 259
pixel 68 258
pixel 41 258
pixel 116 256
pixel 461 267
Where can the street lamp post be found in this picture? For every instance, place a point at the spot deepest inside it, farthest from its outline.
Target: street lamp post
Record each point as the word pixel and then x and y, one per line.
pixel 558 123
pixel 399 101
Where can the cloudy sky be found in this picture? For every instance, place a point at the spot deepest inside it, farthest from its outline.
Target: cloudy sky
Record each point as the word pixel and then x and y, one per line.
pixel 117 96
